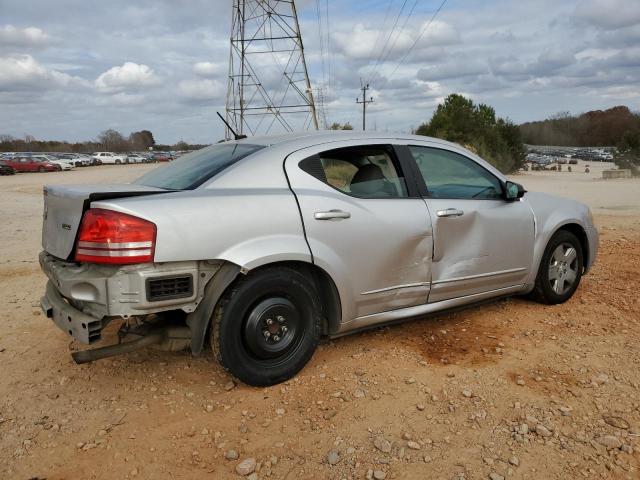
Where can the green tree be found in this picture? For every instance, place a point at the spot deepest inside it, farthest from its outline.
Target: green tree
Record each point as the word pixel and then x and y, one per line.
pixel 628 152
pixel 113 141
pixel 142 140
pixel 181 145
pixel 476 127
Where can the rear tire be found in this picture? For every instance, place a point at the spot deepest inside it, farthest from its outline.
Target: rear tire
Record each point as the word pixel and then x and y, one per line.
pixel 560 269
pixel 266 326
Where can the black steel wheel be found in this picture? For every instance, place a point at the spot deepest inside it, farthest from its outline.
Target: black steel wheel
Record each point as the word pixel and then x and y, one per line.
pixel 266 326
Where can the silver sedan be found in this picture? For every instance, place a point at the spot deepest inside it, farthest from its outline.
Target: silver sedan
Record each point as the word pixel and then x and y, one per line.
pixel 262 246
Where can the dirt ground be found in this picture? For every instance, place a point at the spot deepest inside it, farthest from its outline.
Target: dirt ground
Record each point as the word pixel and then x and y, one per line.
pixel 510 389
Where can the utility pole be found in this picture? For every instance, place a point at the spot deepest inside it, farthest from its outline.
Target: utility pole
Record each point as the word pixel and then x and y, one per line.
pixel 266 44
pixel 364 105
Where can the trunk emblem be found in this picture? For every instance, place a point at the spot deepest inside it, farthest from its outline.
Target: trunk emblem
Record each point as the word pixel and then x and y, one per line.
pixel 66 226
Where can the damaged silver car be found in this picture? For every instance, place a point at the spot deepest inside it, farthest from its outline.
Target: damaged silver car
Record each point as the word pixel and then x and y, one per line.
pixel 261 246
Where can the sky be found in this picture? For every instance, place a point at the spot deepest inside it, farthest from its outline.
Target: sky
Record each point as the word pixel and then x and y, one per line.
pixel 70 69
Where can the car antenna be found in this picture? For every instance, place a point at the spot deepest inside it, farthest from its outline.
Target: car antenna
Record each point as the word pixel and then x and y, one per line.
pixel 236 136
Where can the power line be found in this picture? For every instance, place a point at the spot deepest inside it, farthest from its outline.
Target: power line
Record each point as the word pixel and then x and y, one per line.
pixel 381 31
pixel 422 32
pixel 395 24
pixel 390 50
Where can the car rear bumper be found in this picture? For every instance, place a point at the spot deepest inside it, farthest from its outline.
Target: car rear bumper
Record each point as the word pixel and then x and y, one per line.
pixel 82 298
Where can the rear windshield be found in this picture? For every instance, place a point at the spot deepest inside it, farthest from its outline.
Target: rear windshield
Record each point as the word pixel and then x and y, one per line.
pixel 192 170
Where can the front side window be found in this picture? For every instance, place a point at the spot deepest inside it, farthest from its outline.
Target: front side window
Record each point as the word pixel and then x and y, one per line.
pixel 192 170
pixel 366 172
pixel 451 175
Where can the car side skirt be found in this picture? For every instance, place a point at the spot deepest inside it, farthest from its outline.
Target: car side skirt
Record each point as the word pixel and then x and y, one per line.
pixel 394 316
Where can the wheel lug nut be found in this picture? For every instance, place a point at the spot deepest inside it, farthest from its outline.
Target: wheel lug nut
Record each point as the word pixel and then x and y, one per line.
pixel 269 321
pixel 276 338
pixel 267 334
pixel 280 318
pixel 284 329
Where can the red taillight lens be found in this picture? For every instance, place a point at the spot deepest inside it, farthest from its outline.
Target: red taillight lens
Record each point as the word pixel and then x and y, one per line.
pixel 113 237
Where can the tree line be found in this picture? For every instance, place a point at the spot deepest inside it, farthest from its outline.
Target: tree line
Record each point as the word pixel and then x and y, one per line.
pixel 597 128
pixel 108 140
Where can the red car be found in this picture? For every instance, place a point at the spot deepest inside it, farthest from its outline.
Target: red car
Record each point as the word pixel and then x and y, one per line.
pixel 26 164
pixel 162 157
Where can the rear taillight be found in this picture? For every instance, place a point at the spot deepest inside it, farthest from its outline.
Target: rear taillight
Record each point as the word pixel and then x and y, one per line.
pixel 107 236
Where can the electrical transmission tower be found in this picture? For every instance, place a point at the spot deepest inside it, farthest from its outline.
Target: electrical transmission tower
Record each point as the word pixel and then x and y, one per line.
pixel 268 85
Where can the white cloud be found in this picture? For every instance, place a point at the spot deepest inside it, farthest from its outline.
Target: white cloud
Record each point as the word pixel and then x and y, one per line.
pixel 527 59
pixel 129 76
pixel 457 68
pixel 23 72
pixel 128 99
pixel 609 14
pixel 208 69
pixel 368 43
pixel 22 37
pixel 438 33
pixel 204 89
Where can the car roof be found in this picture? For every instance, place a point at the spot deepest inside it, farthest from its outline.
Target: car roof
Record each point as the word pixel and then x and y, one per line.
pixel 291 142
pixel 304 139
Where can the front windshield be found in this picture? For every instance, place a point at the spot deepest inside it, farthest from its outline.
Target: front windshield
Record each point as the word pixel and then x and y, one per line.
pixel 192 170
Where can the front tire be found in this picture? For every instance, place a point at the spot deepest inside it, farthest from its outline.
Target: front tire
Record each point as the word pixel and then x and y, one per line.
pixel 560 269
pixel 267 326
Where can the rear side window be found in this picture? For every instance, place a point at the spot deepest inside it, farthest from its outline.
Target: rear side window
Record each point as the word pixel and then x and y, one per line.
pixel 192 170
pixel 365 172
pixel 451 175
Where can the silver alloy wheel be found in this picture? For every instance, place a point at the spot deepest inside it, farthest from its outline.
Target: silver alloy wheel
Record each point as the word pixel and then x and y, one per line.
pixel 563 268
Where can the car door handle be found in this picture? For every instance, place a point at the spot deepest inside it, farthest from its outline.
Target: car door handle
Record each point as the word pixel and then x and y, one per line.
pixel 331 215
pixel 450 212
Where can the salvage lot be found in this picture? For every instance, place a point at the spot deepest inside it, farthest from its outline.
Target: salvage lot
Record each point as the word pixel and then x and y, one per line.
pixel 511 388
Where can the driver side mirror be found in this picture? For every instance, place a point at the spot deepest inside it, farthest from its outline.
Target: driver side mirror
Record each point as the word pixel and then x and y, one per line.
pixel 513 190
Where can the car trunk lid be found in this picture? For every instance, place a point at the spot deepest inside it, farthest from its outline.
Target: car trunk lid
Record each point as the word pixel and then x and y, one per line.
pixel 64 206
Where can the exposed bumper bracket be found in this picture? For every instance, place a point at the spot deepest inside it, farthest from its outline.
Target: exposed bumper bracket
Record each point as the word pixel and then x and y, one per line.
pixel 79 325
pixel 172 338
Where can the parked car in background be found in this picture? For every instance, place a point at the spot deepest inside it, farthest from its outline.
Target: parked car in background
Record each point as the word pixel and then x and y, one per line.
pixel 64 164
pixel 136 158
pixel 110 158
pixel 30 164
pixel 75 158
pixel 266 244
pixel 6 169
pixel 162 157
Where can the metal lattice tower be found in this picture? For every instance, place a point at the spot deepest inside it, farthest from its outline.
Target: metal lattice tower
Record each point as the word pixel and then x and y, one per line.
pixel 268 86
